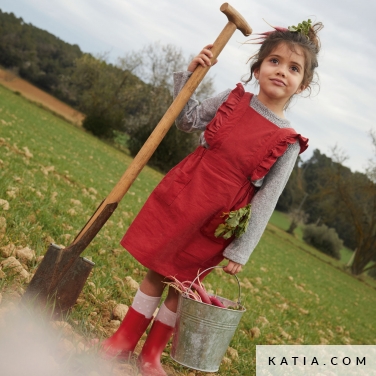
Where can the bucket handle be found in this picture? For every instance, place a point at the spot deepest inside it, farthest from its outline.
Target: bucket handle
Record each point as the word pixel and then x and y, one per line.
pixel 213 267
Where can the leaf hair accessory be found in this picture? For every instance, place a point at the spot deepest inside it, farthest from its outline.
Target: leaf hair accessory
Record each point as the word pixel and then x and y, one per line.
pixel 302 27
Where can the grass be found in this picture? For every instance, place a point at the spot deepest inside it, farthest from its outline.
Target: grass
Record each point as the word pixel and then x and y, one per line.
pixel 282 221
pixel 54 175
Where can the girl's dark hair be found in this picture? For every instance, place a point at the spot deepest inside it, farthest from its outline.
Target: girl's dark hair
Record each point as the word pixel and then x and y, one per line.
pixel 309 44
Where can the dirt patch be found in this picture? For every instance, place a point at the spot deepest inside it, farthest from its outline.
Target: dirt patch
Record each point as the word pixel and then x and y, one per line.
pixel 29 91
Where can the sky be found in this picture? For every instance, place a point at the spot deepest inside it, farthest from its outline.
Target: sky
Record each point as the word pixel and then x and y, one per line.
pixel 341 113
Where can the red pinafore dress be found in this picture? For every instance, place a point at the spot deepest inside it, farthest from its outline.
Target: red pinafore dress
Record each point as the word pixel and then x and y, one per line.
pixel 173 234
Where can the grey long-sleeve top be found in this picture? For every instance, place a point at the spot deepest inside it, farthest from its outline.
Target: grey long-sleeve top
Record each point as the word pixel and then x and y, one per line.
pixel 195 117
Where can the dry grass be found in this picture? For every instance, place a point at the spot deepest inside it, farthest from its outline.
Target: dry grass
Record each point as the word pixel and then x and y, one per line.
pixel 32 93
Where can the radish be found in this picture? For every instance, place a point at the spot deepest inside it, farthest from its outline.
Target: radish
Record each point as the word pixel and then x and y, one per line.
pixel 183 287
pixel 203 294
pixel 195 291
pixel 280 28
pixel 265 34
pixel 216 302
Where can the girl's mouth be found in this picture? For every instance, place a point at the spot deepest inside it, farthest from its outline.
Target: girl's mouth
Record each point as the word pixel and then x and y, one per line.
pixel 278 82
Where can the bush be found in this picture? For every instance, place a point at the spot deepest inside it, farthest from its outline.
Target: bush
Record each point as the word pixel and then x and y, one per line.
pixel 323 238
pixel 175 146
pixel 96 125
pixel 100 125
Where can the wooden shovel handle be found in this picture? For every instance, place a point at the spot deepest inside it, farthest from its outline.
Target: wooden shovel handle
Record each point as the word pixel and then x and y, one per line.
pixel 236 18
pixel 235 21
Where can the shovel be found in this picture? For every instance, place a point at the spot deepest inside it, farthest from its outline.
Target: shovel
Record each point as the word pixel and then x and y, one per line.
pixel 62 273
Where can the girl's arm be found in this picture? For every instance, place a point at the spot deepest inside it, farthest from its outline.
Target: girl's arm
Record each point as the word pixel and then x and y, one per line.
pixel 196 116
pixel 263 205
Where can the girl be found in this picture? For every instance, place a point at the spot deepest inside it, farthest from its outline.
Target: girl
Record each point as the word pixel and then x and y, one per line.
pixel 246 154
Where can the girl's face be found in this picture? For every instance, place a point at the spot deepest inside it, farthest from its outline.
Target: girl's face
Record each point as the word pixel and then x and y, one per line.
pixel 280 76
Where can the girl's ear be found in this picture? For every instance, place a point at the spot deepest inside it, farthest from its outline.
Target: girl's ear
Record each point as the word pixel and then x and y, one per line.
pixel 256 73
pixel 302 88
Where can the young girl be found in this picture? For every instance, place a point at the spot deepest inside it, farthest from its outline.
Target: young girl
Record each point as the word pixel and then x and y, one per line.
pixel 246 154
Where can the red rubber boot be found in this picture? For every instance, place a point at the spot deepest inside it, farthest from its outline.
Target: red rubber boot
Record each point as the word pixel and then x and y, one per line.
pixel 122 343
pixel 149 361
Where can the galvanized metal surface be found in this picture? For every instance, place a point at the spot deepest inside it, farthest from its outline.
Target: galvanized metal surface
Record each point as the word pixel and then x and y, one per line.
pixel 203 333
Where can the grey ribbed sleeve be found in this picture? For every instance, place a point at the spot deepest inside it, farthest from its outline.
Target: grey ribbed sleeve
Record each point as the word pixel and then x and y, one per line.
pixel 195 117
pixel 263 205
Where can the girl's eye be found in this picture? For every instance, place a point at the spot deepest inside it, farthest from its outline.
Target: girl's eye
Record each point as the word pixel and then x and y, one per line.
pixel 274 60
pixel 295 69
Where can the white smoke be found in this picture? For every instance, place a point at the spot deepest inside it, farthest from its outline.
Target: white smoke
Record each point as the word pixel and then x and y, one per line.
pixel 31 346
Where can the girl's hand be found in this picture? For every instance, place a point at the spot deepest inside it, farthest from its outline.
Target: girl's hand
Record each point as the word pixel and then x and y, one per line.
pixel 203 58
pixel 232 267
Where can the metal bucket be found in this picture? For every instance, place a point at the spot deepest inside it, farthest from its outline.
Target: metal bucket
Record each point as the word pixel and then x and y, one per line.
pixel 203 332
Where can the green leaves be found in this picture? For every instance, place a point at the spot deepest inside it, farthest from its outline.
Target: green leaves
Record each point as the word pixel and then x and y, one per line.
pixel 235 224
pixel 302 27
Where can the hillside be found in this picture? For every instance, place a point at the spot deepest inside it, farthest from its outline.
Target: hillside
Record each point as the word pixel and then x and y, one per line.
pixel 37 56
pixel 31 92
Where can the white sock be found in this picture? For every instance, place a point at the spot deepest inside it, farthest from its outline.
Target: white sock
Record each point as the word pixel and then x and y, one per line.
pixel 145 304
pixel 166 316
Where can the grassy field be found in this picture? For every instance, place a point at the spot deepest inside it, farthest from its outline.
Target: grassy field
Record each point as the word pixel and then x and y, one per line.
pixel 282 221
pixel 53 175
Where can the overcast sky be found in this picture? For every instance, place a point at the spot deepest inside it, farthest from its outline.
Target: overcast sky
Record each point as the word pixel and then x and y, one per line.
pixel 341 114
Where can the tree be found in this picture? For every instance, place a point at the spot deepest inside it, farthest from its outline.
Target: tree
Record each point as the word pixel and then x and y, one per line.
pixel 158 64
pixel 297 215
pixel 353 195
pixel 358 195
pixel 294 192
pixel 106 93
pixel 37 56
pixel 371 170
pixel 293 197
pixel 132 96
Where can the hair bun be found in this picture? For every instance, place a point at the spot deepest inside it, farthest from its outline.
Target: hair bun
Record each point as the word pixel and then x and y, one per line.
pixel 313 37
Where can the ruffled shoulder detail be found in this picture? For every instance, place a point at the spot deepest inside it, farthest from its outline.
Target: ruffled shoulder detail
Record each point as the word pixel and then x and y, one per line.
pixel 303 141
pixel 278 149
pixel 224 111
